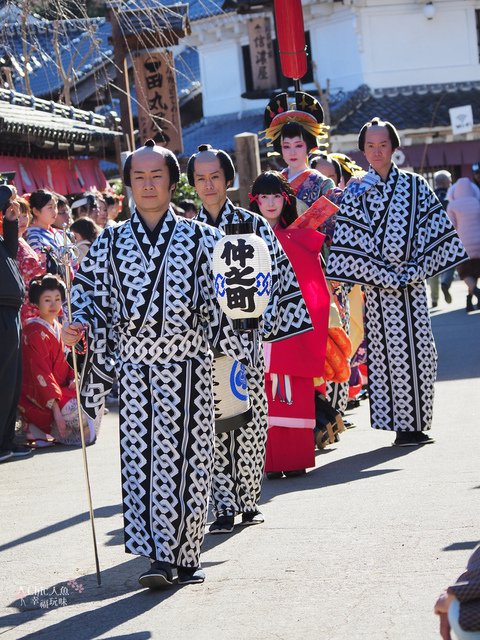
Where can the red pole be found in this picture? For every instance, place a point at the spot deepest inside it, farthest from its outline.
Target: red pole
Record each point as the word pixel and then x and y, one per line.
pixel 291 38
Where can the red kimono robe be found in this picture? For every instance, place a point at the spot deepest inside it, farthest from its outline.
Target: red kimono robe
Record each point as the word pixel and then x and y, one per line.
pixel 46 373
pixel 30 264
pixel 291 364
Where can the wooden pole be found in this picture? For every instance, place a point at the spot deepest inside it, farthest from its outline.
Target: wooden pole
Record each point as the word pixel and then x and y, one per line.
pixel 247 157
pixel 121 65
pixel 66 252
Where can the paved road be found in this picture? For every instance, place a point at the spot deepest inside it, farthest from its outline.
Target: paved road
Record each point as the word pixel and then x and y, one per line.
pixel 358 548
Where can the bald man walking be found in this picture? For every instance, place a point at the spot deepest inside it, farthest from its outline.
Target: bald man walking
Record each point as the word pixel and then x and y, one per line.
pixel 146 292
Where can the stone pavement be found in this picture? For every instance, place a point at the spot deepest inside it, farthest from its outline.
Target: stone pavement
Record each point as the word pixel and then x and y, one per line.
pixel 358 548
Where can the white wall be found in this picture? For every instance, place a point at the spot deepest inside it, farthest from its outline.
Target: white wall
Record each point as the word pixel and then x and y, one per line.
pixel 335 50
pixel 402 47
pixel 381 43
pixel 221 69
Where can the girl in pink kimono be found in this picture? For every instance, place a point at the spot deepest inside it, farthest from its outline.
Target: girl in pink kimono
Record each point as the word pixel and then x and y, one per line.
pixel 293 363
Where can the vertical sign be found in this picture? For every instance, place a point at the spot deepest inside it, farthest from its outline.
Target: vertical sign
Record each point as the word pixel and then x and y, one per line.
pixel 156 88
pixel 261 53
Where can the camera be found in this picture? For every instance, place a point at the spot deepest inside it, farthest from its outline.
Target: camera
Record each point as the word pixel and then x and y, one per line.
pixel 7 177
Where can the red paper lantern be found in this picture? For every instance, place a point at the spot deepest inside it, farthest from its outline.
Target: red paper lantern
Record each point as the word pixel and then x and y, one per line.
pixel 291 38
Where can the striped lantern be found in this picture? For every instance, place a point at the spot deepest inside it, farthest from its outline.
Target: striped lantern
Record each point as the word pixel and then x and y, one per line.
pixel 242 271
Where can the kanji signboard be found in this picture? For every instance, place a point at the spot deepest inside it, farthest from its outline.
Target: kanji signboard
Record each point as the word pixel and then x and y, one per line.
pixel 156 88
pixel 261 53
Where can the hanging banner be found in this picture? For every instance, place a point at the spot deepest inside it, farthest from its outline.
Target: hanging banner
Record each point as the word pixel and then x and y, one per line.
pixel 461 119
pixel 158 110
pixel 63 176
pixel 261 53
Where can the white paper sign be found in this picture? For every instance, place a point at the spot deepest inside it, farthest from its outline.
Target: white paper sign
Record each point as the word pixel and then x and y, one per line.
pixel 461 119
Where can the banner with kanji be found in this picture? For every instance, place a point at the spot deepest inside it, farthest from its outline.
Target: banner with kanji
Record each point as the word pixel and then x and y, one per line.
pixel 261 53
pixel 156 89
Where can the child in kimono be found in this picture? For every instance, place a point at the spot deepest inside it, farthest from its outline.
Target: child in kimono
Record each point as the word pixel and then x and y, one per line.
pixel 48 403
pixel 292 364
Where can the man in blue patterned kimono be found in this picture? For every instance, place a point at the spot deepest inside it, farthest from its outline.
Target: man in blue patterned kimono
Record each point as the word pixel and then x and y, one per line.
pixel 392 234
pixel 240 454
pixel 145 292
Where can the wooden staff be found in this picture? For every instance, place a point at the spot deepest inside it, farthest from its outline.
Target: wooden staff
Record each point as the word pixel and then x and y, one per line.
pixel 67 250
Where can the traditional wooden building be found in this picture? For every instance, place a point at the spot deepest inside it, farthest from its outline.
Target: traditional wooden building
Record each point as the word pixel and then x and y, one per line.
pixel 52 146
pixel 413 73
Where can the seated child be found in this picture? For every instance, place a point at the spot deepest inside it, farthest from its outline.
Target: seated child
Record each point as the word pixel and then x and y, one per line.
pixel 48 404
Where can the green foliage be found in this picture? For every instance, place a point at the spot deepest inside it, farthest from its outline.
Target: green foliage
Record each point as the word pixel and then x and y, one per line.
pixel 117 186
pixel 185 192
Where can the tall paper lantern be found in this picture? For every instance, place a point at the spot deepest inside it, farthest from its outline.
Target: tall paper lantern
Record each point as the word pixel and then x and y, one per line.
pixel 243 275
pixel 291 38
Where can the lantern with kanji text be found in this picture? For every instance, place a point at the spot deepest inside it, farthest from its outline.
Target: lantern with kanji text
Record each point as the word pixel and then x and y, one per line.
pixel 243 275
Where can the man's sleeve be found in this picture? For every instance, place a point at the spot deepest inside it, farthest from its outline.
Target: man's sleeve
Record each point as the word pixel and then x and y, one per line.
pixel 91 306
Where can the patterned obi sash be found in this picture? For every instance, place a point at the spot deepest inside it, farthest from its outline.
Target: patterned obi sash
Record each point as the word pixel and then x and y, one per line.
pixel 148 348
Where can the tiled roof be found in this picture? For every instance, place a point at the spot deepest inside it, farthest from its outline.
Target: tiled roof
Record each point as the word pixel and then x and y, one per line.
pixel 416 107
pixel 79 46
pixel 219 131
pixel 197 8
pixel 34 120
pixel 150 16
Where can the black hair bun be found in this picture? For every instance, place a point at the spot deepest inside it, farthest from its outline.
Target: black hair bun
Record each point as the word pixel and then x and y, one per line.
pixel 205 147
pixel 149 143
